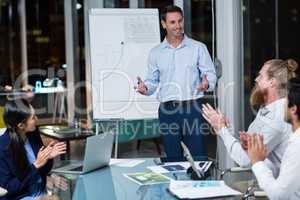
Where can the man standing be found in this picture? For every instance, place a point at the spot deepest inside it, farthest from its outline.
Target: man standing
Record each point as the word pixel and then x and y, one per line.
pixel 286 185
pixel 182 69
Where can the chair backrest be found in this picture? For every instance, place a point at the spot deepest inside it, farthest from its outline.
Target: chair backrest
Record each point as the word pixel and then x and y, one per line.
pixel 2 124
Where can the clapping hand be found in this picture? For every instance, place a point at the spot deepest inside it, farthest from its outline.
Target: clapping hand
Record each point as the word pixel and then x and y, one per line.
pixel 257 151
pixel 214 117
pixel 43 156
pixel 49 152
pixel 58 148
pixel 244 140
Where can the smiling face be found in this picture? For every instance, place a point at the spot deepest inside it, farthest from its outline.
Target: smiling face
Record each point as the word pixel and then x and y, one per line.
pixel 173 24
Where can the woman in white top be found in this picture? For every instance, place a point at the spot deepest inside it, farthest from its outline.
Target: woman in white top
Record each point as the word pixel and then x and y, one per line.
pixel 269 93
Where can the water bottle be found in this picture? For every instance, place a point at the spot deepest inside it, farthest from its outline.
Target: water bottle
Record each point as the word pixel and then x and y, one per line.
pixel 60 84
pixel 75 123
pixel 38 86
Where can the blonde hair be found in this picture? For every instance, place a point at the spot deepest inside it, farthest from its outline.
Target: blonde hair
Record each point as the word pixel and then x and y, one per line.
pixel 282 71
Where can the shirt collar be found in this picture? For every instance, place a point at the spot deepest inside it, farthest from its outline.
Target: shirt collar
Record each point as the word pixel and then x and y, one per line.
pixel 278 104
pixel 295 134
pixel 166 44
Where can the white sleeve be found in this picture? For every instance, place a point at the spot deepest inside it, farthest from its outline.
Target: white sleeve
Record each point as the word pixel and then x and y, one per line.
pixel 234 148
pixel 287 182
pixel 274 131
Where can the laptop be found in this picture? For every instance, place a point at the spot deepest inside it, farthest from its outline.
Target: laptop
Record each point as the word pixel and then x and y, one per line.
pixel 190 159
pixel 97 155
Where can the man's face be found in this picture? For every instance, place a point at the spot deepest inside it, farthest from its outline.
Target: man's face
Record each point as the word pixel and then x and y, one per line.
pixel 262 80
pixel 261 89
pixel 173 24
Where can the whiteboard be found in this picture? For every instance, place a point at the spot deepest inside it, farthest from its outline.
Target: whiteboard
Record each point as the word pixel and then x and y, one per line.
pixel 120 41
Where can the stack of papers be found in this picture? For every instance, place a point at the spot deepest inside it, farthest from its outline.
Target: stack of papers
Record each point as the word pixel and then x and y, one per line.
pixel 179 167
pixel 147 178
pixel 201 189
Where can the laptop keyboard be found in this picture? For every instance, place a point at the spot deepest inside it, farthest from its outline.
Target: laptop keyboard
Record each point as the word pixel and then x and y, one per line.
pixel 77 168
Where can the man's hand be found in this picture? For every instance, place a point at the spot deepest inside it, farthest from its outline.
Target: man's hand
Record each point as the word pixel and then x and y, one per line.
pixel 204 85
pixel 214 117
pixel 141 87
pixel 244 140
pixel 257 151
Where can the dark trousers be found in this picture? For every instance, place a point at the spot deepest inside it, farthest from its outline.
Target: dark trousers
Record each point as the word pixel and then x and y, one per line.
pixel 182 121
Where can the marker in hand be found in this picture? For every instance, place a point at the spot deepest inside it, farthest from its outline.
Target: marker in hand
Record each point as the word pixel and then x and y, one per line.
pixel 141 87
pixel 204 85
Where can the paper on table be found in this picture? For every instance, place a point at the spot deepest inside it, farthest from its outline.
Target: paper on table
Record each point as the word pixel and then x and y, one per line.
pixel 201 189
pixel 147 178
pixel 125 162
pixel 178 166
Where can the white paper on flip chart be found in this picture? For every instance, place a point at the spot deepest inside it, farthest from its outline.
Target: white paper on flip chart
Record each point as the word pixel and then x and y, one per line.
pixel 201 189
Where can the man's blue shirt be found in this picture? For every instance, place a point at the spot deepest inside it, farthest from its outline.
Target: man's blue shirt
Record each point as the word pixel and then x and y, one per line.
pixel 178 71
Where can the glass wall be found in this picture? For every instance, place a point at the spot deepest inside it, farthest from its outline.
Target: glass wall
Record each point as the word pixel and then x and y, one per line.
pixel 10 45
pixel 259 43
pixel 45 33
pixel 116 3
pixel 289 29
pixel 45 38
pixel 198 21
pixel 156 4
pixel 198 25
pixel 271 30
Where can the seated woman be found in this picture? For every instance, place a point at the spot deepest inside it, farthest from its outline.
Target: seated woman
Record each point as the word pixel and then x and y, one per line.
pixel 24 161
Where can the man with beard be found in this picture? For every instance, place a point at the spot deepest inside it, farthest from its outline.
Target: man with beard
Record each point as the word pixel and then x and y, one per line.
pixel 182 70
pixel 269 93
pixel 286 185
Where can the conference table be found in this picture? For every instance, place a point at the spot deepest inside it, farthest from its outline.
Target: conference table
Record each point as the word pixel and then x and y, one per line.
pixel 65 134
pixel 110 183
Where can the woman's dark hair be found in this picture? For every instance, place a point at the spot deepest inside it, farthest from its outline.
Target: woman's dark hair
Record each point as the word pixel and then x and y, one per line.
pixel 169 9
pixel 16 112
pixel 294 94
